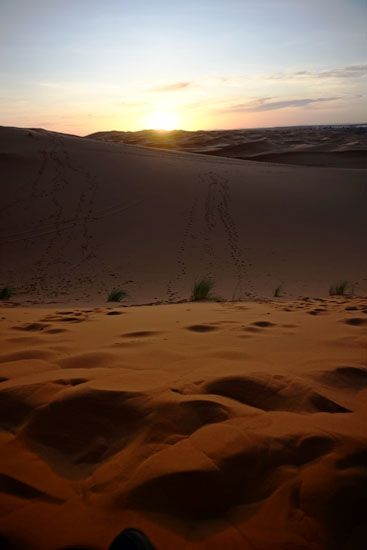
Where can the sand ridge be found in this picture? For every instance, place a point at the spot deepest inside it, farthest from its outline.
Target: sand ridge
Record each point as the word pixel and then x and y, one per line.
pixel 208 437
pixel 342 146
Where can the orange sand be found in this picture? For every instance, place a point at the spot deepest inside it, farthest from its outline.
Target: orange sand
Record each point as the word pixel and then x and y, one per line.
pixel 210 426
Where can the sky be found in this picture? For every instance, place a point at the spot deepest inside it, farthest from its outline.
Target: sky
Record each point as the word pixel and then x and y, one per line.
pixel 80 66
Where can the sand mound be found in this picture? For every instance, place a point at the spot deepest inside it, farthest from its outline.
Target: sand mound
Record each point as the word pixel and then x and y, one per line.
pixel 84 426
pixel 273 394
pixel 347 377
pixel 225 469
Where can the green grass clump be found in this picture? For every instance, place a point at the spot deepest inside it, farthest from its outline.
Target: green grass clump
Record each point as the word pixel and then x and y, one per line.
pixel 341 288
pixel 6 293
pixel 117 295
pixel 202 290
pixel 278 292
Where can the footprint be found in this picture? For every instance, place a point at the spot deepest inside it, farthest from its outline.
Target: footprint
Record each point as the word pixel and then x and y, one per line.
pixel 72 319
pixel 71 381
pixel 316 311
pixel 32 327
pixel 140 334
pixel 201 328
pixel 355 321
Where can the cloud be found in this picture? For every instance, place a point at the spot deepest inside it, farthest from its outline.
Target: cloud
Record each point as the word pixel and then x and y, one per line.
pixel 350 71
pixel 172 87
pixel 78 87
pixel 264 104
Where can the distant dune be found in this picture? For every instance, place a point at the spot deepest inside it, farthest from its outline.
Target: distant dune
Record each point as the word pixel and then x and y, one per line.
pixel 324 146
pixel 80 217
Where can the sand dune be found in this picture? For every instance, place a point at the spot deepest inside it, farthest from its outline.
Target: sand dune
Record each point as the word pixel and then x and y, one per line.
pixel 324 146
pixel 339 159
pixel 80 217
pixel 237 423
pixel 215 425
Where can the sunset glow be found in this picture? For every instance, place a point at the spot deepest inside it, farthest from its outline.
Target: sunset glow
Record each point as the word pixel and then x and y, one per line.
pixel 86 66
pixel 161 120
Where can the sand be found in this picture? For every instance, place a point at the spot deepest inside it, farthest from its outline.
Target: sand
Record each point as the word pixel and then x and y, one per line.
pixel 80 217
pixel 208 425
pixel 340 146
pixel 236 423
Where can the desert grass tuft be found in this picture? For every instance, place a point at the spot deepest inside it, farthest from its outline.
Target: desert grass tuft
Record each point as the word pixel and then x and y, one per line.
pixel 202 290
pixel 117 295
pixel 341 288
pixel 278 292
pixel 6 293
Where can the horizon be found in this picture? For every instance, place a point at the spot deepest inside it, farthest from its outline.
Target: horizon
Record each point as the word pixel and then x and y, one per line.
pixel 163 131
pixel 79 67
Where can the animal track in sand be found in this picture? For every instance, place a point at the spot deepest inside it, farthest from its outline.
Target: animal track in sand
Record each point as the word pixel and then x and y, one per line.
pixel 270 393
pixel 201 328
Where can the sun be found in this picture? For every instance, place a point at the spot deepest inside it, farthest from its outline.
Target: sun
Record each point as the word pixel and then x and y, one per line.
pixel 163 120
